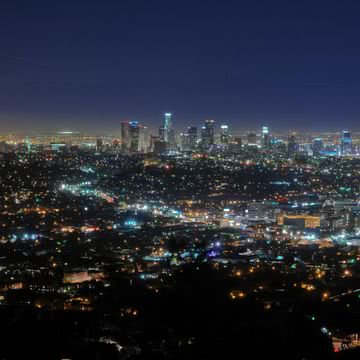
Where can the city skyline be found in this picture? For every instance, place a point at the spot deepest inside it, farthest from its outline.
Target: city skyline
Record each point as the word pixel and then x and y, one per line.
pixel 135 138
pixel 113 127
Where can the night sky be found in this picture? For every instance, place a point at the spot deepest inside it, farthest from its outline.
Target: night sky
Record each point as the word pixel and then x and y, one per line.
pixel 90 64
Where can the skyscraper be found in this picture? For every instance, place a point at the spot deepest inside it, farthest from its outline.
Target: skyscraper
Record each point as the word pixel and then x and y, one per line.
pixel 346 143
pixel 251 138
pixel 293 146
pixel 144 139
pixel 203 137
pixel 125 140
pixel 185 142
pixel 210 130
pixel 193 134
pixel 318 146
pixel 134 136
pixel 167 132
pixel 167 125
pixel 235 145
pixel 159 146
pixel 161 133
pixel 207 134
pixel 224 135
pixel 99 145
pixel 266 138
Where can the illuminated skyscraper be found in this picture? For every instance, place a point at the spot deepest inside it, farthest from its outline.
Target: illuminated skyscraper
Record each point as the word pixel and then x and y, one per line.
pixel 210 130
pixel 167 133
pixel 28 144
pixel 207 134
pixel 185 142
pixel 125 139
pixel 293 146
pixel 224 134
pixel 161 133
pixel 346 143
pixel 168 127
pixel 134 136
pixel 318 146
pixel 144 139
pixel 193 134
pixel 266 138
pixel 202 136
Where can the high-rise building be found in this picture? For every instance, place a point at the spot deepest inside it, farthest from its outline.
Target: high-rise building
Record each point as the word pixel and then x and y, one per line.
pixel 99 145
pixel 167 132
pixel 193 134
pixel 251 138
pixel 203 136
pixel 134 136
pixel 125 139
pixel 208 134
pixel 153 138
pixel 185 142
pixel 266 138
pixel 161 133
pixel 346 143
pixel 172 141
pixel 168 126
pixel 293 146
pixel 157 145
pixel 27 145
pixel 279 146
pixel 224 135
pixel 235 145
pixel 160 147
pixel 318 146
pixel 210 130
pixel 144 139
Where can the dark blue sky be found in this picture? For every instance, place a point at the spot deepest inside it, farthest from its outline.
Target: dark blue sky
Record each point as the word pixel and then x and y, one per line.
pixel 90 64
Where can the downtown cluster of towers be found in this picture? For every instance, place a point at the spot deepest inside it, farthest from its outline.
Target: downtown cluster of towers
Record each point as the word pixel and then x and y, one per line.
pixel 136 137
